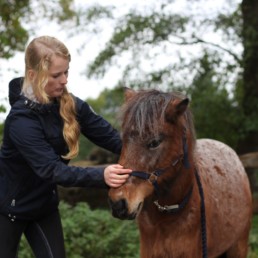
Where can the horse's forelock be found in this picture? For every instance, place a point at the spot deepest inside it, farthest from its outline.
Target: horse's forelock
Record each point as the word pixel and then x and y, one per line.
pixel 145 110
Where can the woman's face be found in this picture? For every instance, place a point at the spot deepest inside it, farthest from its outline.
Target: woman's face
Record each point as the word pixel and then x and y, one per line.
pixel 57 76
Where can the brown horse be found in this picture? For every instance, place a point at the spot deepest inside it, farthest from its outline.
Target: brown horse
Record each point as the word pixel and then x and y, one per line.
pixel 190 198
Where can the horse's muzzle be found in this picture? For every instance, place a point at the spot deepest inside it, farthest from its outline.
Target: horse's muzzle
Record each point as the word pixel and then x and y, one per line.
pixel 120 210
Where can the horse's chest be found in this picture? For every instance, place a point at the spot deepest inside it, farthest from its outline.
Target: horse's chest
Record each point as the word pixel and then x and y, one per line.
pixel 170 241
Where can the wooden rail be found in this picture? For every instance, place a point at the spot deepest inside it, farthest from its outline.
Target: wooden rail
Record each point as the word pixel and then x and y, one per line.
pixel 250 160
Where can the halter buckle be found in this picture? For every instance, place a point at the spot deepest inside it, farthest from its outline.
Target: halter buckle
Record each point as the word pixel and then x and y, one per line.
pixel 166 208
pixel 153 178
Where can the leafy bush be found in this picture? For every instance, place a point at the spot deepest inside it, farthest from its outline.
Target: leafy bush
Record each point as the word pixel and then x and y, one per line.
pixel 253 239
pixel 94 234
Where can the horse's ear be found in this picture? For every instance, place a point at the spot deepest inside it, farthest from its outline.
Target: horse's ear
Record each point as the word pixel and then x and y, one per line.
pixel 176 108
pixel 129 93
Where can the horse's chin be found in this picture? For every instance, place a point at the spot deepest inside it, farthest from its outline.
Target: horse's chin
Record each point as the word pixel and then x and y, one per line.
pixel 130 216
pixel 124 214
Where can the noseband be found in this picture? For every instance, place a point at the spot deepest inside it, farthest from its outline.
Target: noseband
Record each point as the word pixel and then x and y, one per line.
pixel 153 177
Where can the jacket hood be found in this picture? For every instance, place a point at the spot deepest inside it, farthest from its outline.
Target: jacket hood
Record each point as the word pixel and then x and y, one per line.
pixel 15 87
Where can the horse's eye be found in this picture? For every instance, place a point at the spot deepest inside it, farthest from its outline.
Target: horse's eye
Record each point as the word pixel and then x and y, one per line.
pixel 154 144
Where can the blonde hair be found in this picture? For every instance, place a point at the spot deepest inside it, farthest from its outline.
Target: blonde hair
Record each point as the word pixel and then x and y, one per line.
pixel 38 58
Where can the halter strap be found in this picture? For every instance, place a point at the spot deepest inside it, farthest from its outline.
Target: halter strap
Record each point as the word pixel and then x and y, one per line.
pixel 175 207
pixel 153 177
pixel 185 149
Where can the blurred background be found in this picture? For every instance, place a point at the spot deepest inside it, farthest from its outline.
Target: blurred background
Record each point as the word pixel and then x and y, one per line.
pixel 206 49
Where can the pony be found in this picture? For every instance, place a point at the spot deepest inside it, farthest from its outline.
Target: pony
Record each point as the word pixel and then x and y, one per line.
pixel 190 198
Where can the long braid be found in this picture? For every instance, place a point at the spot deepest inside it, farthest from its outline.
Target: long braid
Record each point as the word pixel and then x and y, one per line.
pixel 71 129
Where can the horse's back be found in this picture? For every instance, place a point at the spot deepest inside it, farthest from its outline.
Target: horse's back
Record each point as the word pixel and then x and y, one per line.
pixel 221 167
pixel 228 198
pixel 218 156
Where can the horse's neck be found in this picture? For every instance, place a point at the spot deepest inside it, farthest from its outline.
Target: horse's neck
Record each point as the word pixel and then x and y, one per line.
pixel 179 188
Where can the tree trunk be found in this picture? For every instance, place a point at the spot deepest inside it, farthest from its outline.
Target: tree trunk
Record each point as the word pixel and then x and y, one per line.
pixel 250 76
pixel 250 84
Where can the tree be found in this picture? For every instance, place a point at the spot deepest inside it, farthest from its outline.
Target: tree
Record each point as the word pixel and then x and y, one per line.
pixel 13 35
pixel 15 15
pixel 215 114
pixel 225 93
pixel 250 75
pixel 166 50
pixel 159 42
pixel 108 104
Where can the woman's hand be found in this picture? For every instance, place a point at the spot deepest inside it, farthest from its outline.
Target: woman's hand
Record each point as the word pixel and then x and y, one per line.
pixel 115 175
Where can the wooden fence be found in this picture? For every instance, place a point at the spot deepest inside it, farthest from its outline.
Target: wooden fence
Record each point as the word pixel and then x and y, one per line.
pixel 250 160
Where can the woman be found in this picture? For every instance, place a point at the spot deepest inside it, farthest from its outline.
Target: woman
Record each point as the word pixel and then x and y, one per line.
pixel 41 135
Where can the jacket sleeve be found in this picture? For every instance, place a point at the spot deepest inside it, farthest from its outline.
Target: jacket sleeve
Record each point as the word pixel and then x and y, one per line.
pixel 28 138
pixel 97 129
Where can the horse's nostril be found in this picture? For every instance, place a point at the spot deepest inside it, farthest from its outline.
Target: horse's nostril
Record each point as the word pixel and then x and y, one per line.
pixel 119 208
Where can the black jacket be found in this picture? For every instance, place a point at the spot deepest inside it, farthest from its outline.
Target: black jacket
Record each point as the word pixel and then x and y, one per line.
pixel 30 159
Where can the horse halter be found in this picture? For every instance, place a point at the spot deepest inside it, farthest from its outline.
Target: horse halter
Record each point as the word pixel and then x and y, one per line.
pixel 153 178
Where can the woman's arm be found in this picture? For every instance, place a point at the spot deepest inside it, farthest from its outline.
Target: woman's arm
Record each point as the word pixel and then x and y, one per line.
pixel 97 129
pixel 28 138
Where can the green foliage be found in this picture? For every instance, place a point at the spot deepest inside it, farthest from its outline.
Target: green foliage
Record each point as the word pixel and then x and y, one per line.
pixel 216 115
pixel 231 25
pixel 1 132
pixel 153 35
pixel 134 30
pixel 94 234
pixel 13 35
pixel 25 250
pixel 85 149
pixel 253 239
pixel 97 12
pixel 108 104
pixel 216 93
pixel 89 21
pixel 66 11
pixel 2 108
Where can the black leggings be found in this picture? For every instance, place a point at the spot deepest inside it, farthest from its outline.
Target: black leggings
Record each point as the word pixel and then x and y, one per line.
pixel 45 236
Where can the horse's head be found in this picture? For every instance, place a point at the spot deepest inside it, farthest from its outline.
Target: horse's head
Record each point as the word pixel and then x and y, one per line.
pixel 156 132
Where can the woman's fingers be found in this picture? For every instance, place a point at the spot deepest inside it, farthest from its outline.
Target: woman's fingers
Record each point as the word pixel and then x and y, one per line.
pixel 115 175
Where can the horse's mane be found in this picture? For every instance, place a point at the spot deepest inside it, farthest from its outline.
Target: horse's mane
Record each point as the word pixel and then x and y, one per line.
pixel 145 109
